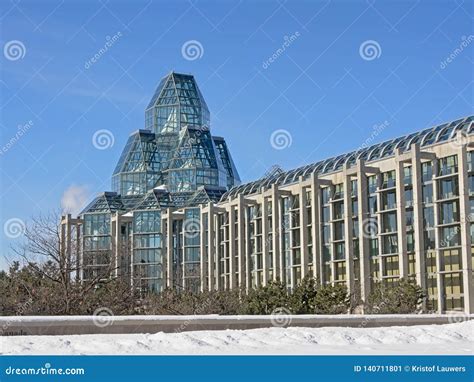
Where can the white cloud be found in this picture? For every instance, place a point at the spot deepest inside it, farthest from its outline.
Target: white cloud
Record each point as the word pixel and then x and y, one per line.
pixel 74 199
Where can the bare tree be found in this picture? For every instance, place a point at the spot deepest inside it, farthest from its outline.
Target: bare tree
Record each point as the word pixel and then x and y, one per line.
pixel 42 246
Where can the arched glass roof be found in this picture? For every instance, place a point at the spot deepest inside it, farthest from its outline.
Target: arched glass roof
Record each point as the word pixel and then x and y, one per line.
pixel 375 152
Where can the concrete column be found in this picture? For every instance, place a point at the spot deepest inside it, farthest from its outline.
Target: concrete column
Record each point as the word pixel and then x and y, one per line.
pixel 247 270
pixel 379 227
pixel 348 242
pixel 241 242
pixel 116 242
pixel 281 258
pixel 465 220
pixel 211 249
pixel 220 252
pixel 203 254
pixel 417 177
pixel 439 278
pixel 265 243
pixel 401 216
pixel 169 248
pixel 331 238
pixel 276 223
pixel 232 249
pixel 316 228
pixel 65 245
pixel 78 253
pixel 303 231
pixel 363 216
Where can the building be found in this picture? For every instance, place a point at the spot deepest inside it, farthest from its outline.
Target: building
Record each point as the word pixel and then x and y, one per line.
pixel 178 217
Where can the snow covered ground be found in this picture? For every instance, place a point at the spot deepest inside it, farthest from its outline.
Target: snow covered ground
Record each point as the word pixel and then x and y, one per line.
pixel 456 338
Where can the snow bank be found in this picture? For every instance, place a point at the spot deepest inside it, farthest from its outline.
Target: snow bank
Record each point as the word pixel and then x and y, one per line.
pixel 456 338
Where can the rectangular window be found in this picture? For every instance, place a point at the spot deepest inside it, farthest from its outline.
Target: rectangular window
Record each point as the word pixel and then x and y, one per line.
pixel 389 221
pixel 450 237
pixel 427 192
pixel 448 165
pixel 407 176
pixel 388 179
pixel 427 171
pixel 449 212
pixel 448 188
pixel 389 200
pixel 389 244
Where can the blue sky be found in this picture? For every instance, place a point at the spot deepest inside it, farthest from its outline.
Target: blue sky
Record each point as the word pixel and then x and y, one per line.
pixel 345 68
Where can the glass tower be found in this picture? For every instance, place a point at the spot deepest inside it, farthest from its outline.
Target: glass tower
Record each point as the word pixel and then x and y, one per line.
pixel 174 162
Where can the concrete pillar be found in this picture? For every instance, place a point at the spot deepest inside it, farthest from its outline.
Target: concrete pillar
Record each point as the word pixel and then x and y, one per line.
pixel 331 238
pixel 169 248
pixel 401 216
pixel 247 270
pixel 265 242
pixel 316 228
pixel 276 224
pixel 116 243
pixel 241 242
pixel 78 253
pixel 363 216
pixel 417 177
pixel 439 278
pixel 203 253
pixel 232 249
pixel 348 242
pixel 303 231
pixel 65 245
pixel 211 249
pixel 465 228
pixel 220 252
